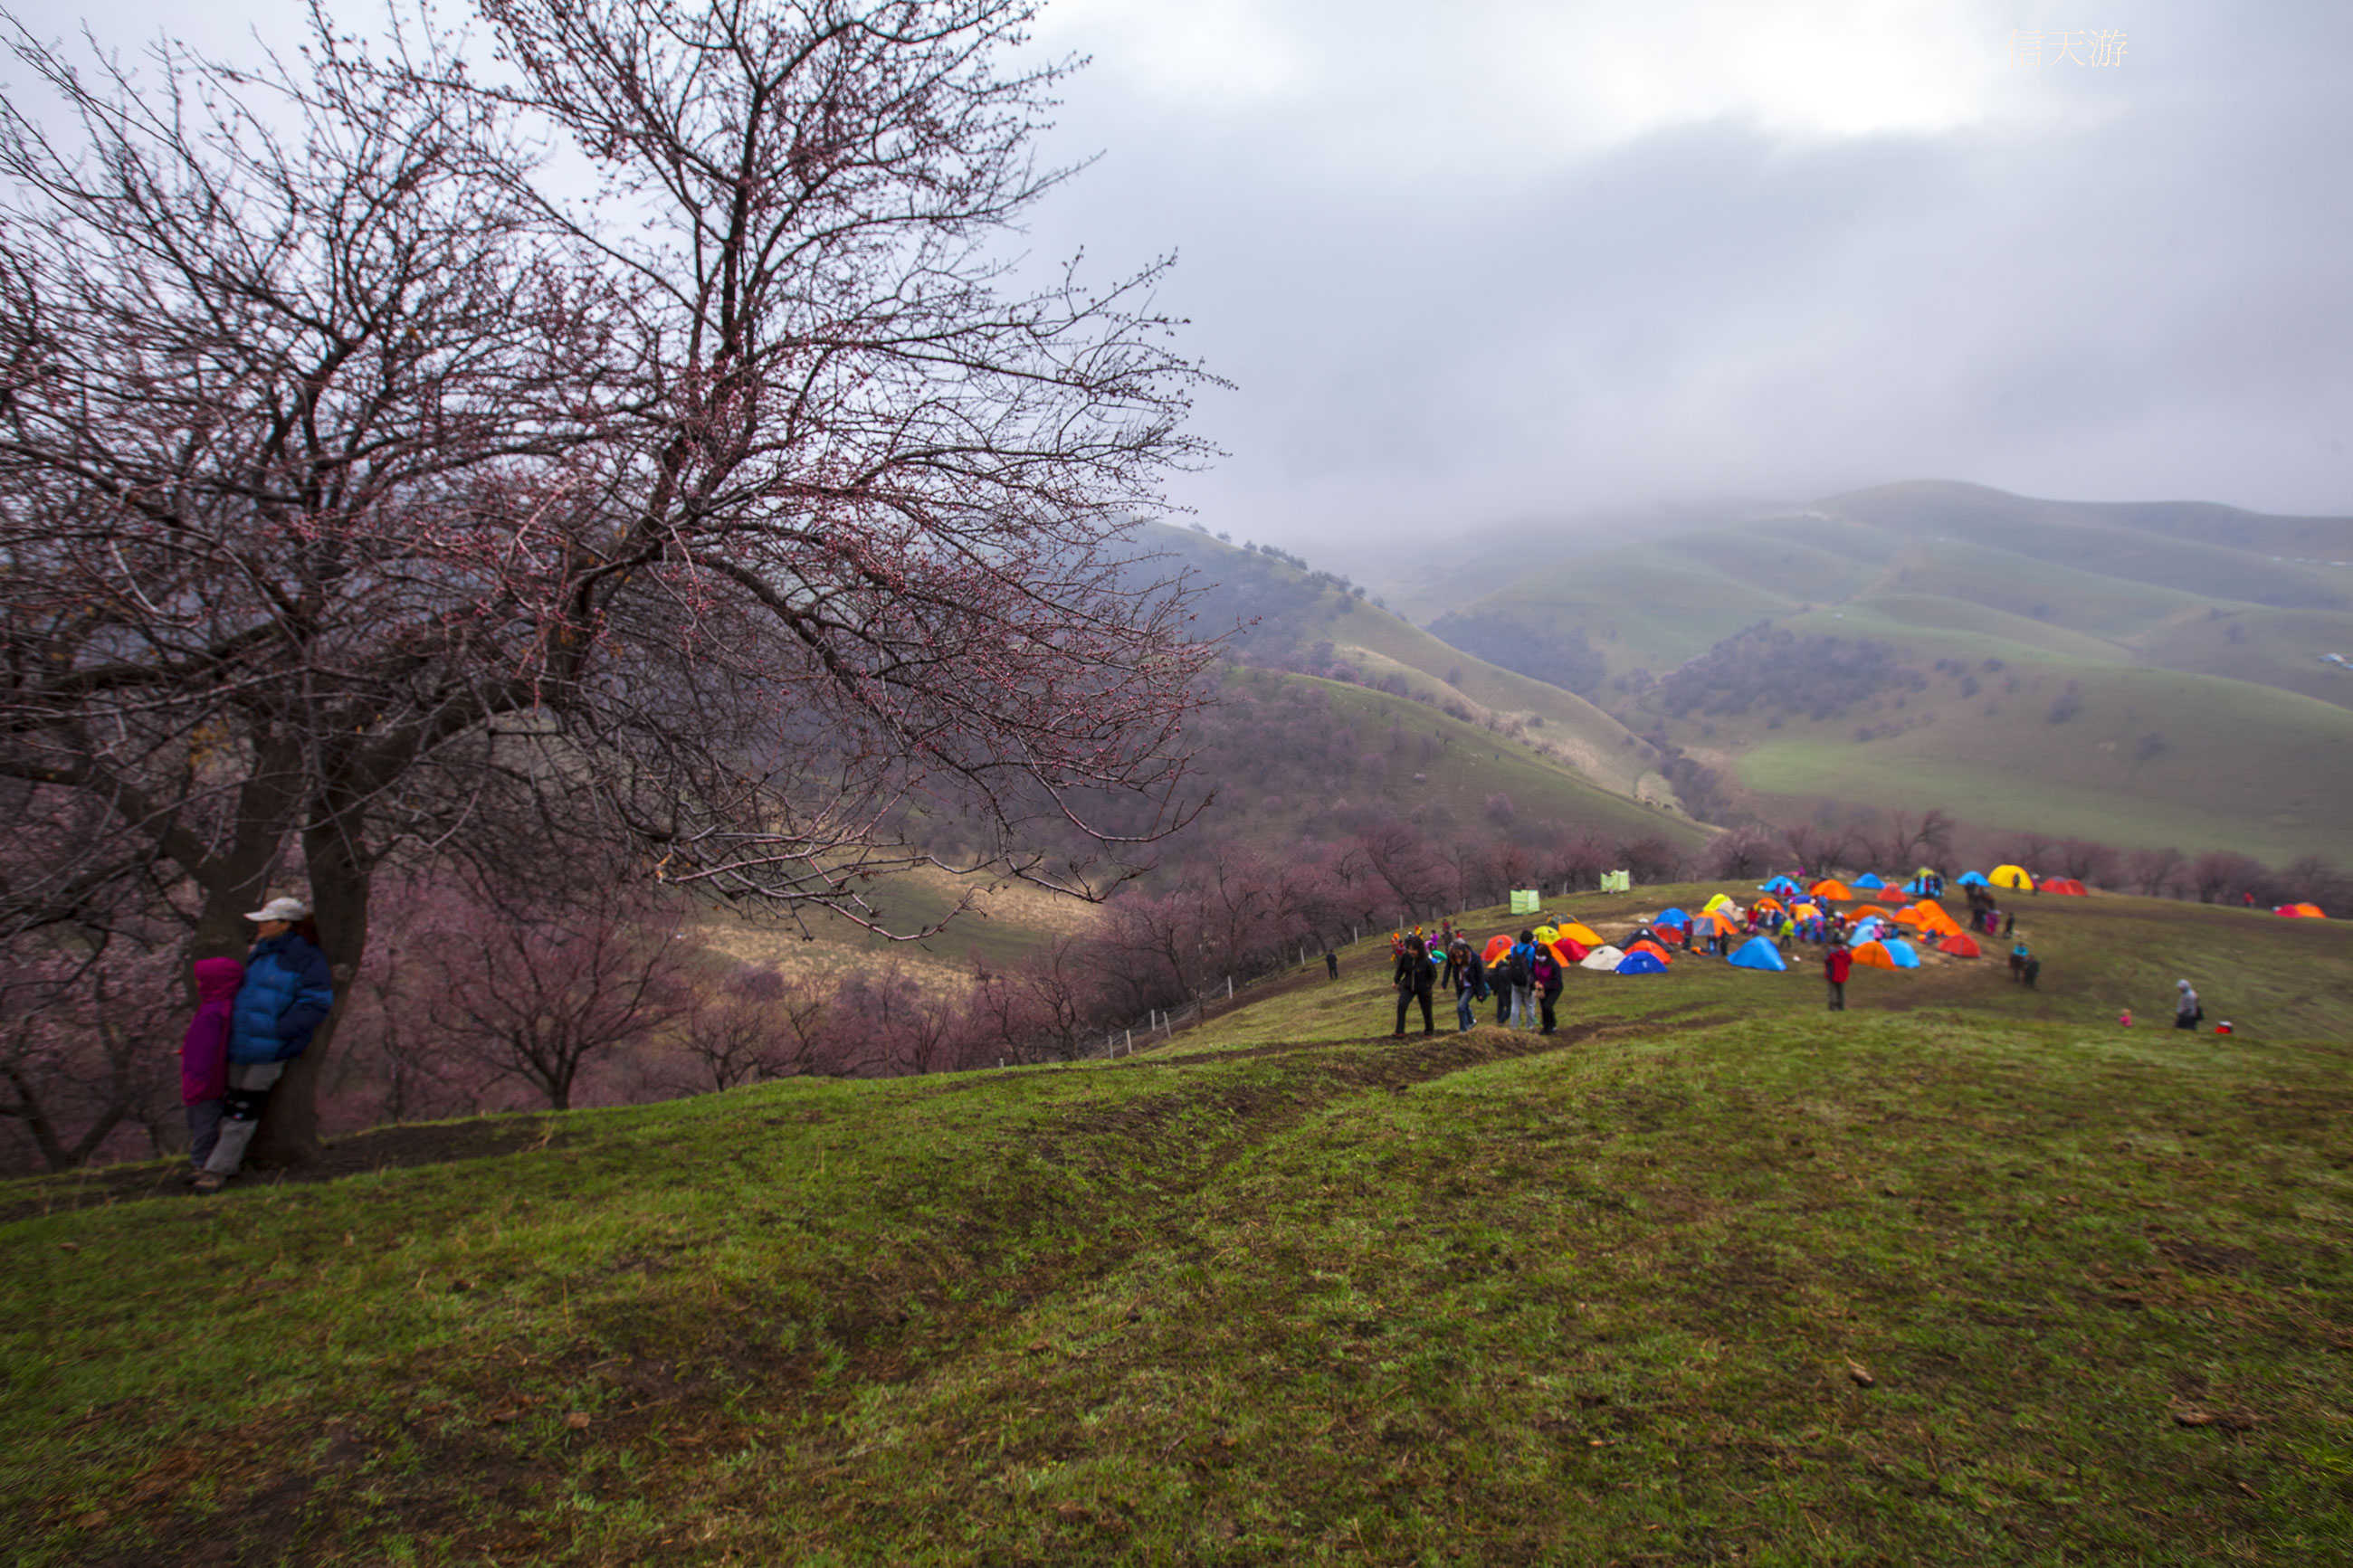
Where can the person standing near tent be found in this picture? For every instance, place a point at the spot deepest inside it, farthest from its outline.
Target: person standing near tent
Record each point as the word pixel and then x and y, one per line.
pixel 1464 972
pixel 1544 976
pixel 2187 1011
pixel 1524 1011
pixel 1837 964
pixel 1413 981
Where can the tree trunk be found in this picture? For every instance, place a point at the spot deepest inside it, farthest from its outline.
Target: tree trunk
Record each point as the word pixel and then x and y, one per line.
pixel 340 884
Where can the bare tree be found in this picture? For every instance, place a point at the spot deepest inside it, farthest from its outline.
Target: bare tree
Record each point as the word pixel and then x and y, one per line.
pixel 2218 874
pixel 2085 859
pixel 1916 839
pixel 344 472
pixel 755 1024
pixel 2156 872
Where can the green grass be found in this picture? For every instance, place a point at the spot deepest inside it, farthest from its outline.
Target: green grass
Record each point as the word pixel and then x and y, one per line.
pixel 1283 1290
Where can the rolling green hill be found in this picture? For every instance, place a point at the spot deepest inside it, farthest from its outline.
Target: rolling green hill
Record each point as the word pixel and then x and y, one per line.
pixel 2202 627
pixel 1968 1274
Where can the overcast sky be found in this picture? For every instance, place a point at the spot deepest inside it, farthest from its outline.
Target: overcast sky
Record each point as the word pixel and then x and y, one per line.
pixel 1481 261
pixel 1474 261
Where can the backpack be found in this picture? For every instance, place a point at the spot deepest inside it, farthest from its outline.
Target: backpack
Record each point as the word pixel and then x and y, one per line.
pixel 1515 968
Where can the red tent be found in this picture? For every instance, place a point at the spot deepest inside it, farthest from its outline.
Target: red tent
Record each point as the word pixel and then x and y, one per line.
pixel 2301 911
pixel 2067 885
pixel 1960 946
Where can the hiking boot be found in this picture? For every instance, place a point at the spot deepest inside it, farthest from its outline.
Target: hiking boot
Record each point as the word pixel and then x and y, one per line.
pixel 209 1182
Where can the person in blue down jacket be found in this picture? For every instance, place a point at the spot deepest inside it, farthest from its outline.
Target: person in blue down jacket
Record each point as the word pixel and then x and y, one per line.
pixel 288 991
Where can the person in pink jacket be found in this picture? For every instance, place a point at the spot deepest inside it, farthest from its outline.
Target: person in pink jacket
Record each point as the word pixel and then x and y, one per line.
pixel 204 1055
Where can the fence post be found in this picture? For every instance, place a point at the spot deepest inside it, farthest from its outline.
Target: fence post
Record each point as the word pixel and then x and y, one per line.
pixel 1229 987
pixel 1131 1042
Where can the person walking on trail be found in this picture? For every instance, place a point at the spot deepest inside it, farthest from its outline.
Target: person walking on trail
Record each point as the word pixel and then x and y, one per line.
pixel 1469 978
pixel 1544 976
pixel 1413 981
pixel 203 1057
pixel 2188 1014
pixel 1524 1010
pixel 1837 964
pixel 1331 964
pixel 286 994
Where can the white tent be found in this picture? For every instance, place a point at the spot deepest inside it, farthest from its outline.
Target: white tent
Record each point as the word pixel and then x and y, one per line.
pixel 1602 957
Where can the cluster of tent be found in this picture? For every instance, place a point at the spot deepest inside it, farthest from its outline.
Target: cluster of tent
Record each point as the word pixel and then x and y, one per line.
pixel 2301 911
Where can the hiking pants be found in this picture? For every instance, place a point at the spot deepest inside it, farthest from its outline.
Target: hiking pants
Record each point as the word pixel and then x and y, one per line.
pixel 2185 1020
pixel 248 1092
pixel 1524 1011
pixel 203 1130
pixel 1838 996
pixel 1462 1000
pixel 1405 1000
pixel 1502 1005
pixel 1551 996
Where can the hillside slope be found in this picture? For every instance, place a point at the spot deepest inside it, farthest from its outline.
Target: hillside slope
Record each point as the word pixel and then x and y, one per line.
pixel 2193 635
pixel 1985 1279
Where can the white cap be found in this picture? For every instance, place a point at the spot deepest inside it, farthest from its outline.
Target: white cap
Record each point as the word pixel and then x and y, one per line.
pixel 281 909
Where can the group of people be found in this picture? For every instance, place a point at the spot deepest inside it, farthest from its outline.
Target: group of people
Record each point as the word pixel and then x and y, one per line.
pixel 253 1017
pixel 1525 980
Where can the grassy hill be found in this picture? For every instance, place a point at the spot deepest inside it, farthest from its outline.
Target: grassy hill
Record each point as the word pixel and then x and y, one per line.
pixel 1967 1274
pixel 2199 624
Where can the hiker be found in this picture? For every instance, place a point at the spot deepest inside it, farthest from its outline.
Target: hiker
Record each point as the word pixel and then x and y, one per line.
pixel 203 1057
pixel 1524 952
pixel 1413 981
pixel 2019 954
pixel 1837 964
pixel 1499 986
pixel 287 993
pixel 1468 976
pixel 1331 964
pixel 2187 1012
pixel 1545 975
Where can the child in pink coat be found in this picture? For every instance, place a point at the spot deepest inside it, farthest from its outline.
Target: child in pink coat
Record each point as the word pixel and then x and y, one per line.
pixel 204 1054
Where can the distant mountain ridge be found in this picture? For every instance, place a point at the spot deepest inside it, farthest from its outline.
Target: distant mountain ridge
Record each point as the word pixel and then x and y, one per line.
pixel 2191 641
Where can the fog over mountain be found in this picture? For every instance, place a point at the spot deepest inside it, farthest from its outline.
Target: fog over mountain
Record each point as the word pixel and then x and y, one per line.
pixel 1495 261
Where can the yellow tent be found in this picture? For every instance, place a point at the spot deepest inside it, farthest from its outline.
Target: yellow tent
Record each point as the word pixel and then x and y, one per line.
pixel 2011 876
pixel 1715 903
pixel 1580 933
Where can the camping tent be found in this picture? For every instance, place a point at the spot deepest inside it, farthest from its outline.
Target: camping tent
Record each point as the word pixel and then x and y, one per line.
pixel 2011 876
pixel 1972 880
pixel 1828 890
pixel 1770 902
pixel 1565 953
pixel 1653 949
pixel 1873 953
pixel 1758 952
pixel 1865 911
pixel 1906 955
pixel 1670 917
pixel 2067 885
pixel 2301 911
pixel 1496 947
pixel 1778 885
pixel 1960 946
pixel 1602 957
pixel 1720 923
pixel 1641 963
pixel 1716 904
pixel 1580 933
pixel 1867 880
pixel 1871 930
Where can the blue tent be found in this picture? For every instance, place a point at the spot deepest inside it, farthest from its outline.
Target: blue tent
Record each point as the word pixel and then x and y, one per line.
pixel 1917 887
pixel 1672 918
pixel 1973 880
pixel 1866 881
pixel 1643 964
pixel 1906 955
pixel 1757 953
pixel 1780 886
pixel 1869 929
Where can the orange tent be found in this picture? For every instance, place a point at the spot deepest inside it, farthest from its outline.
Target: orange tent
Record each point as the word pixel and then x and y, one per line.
pixel 1909 916
pixel 1771 902
pixel 2301 911
pixel 1862 910
pixel 1653 949
pixel 1960 946
pixel 1828 890
pixel 1875 954
pixel 2067 885
pixel 1496 947
pixel 1722 924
